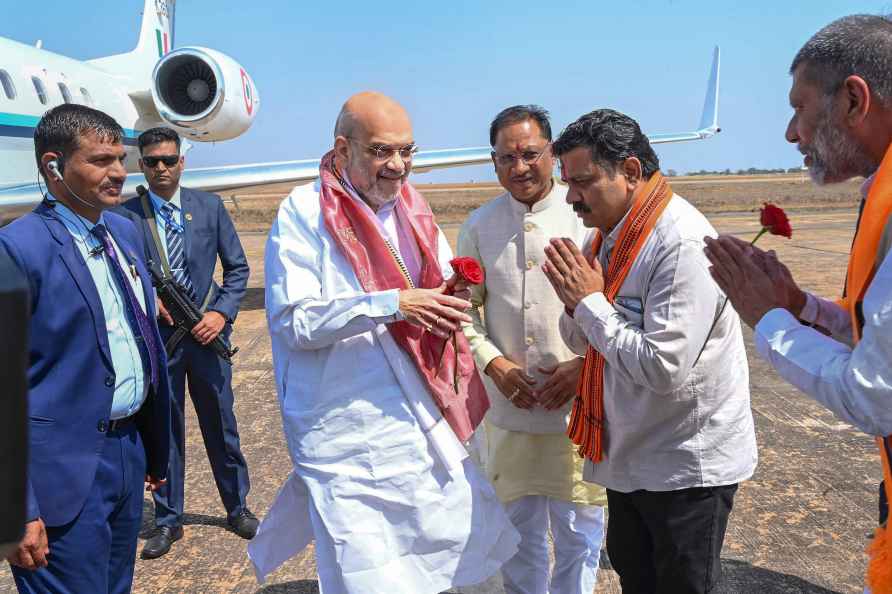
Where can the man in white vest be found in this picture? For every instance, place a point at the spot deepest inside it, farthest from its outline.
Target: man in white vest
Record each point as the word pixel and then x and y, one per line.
pixel 530 373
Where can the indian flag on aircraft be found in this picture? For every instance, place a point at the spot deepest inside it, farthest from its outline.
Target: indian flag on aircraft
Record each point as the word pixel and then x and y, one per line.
pixel 163 46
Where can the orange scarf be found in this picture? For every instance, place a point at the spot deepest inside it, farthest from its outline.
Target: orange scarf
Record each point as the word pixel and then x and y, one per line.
pixel 862 267
pixel 439 361
pixel 587 421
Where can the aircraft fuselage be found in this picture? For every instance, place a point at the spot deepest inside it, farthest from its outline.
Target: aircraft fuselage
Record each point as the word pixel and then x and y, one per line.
pixel 38 80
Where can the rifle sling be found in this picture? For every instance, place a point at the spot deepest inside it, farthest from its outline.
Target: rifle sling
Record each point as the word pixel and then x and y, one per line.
pixel 180 332
pixel 153 227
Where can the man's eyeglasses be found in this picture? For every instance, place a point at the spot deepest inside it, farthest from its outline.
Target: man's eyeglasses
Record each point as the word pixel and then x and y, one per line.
pixel 168 160
pixel 529 157
pixel 382 152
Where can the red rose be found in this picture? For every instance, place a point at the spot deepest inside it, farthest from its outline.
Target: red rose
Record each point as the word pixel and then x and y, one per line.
pixel 774 220
pixel 468 270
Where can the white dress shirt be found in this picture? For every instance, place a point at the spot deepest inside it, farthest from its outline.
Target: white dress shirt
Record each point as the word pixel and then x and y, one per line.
pixel 676 382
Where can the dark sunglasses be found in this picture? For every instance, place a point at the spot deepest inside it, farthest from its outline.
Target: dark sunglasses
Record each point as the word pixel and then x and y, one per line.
pixel 168 160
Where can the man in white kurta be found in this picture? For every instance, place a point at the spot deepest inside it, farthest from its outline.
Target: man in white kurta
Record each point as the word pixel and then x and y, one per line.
pixel 531 462
pixel 380 480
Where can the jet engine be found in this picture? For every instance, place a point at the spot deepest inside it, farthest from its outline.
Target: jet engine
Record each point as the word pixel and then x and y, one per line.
pixel 204 94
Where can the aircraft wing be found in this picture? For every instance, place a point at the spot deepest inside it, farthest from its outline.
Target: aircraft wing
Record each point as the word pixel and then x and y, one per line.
pixel 238 176
pixel 18 199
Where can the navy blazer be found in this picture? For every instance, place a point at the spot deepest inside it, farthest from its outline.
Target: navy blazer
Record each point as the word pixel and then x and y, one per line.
pixel 208 231
pixel 70 374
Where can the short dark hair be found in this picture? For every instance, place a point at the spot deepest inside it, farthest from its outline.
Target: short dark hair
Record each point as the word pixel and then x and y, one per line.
pixel 157 135
pixel 60 129
pixel 520 113
pixel 612 137
pixel 856 45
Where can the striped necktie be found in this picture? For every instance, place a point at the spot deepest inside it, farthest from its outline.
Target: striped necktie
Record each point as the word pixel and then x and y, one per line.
pixel 176 254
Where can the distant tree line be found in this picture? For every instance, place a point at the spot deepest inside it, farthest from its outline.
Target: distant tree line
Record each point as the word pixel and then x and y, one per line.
pixel 750 171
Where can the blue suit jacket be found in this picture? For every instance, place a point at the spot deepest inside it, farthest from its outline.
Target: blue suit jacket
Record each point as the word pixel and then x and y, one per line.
pixel 208 231
pixel 70 373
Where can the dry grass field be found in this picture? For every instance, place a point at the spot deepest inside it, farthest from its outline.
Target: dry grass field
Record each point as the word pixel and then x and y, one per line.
pixel 254 208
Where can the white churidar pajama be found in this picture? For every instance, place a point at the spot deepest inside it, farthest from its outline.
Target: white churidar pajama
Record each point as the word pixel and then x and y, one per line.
pixel 577 531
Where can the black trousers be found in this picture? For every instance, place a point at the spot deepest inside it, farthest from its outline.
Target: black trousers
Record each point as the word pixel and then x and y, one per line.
pixel 210 386
pixel 668 542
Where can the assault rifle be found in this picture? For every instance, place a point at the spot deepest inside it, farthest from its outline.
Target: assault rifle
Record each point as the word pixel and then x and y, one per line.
pixel 184 312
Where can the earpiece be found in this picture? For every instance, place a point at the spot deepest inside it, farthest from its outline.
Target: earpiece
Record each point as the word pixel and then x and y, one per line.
pixel 57 167
pixel 53 166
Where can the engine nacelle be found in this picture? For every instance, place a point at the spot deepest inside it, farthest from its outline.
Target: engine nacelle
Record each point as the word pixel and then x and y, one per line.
pixel 204 94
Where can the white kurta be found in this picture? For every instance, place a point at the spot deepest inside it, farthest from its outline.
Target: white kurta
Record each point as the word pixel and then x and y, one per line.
pixel 515 315
pixel 380 481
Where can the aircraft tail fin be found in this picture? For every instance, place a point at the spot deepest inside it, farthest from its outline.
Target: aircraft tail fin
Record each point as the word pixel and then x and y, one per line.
pixel 709 121
pixel 155 40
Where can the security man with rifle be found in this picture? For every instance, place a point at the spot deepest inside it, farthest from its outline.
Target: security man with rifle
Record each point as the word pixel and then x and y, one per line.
pixel 184 231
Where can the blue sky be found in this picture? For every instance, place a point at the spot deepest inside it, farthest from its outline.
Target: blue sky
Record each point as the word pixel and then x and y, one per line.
pixel 455 64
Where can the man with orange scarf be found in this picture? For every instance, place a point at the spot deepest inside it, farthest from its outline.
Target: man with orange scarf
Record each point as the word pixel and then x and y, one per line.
pixel 842 123
pixel 663 410
pixel 376 381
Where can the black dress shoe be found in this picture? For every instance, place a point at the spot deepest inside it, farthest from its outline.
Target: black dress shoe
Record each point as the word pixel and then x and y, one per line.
pixel 159 543
pixel 245 524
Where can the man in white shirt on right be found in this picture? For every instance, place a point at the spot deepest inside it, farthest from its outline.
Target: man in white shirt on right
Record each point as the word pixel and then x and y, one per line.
pixel 663 413
pixel 841 97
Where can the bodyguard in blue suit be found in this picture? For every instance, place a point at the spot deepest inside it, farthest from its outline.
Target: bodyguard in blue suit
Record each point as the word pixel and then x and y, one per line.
pixel 99 398
pixel 184 231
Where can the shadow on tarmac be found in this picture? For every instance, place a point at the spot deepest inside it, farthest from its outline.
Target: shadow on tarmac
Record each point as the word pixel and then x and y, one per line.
pixel 739 577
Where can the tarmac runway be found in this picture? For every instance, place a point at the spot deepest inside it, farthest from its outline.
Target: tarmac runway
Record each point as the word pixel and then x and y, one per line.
pixel 798 526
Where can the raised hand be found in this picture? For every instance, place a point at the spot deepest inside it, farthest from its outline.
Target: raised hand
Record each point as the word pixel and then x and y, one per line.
pixel 570 274
pixel 754 281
